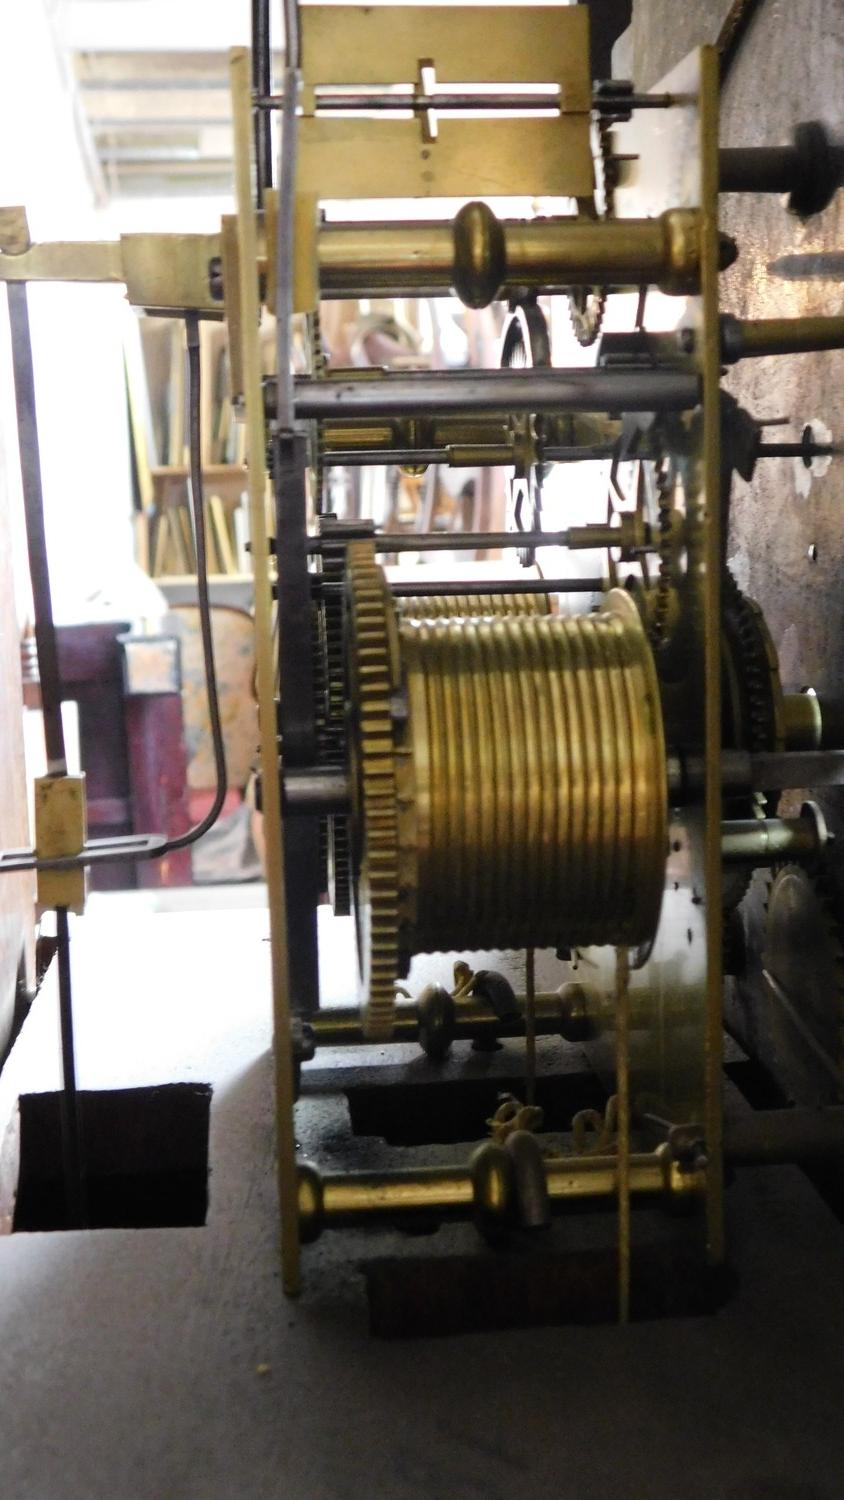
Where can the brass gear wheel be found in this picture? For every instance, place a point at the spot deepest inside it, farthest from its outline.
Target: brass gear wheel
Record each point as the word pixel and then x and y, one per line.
pixel 751 705
pixel 587 304
pixel 374 679
pixel 754 709
pixel 330 693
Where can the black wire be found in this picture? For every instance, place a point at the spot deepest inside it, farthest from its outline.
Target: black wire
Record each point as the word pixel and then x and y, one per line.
pixel 733 31
pixel 198 507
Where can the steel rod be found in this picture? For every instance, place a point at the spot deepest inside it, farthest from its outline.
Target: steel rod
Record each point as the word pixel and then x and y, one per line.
pixel 756 337
pixel 769 840
pixel 761 336
pixel 555 454
pixel 349 101
pixel 798 768
pixel 353 458
pixel 316 789
pixel 740 771
pixel 73 1167
pixel 806 451
pixel 756 169
pixel 576 538
pixel 606 391
pixel 261 86
pixel 460 456
pixel 810 171
pixel 324 587
pixel 36 535
pixel 472 587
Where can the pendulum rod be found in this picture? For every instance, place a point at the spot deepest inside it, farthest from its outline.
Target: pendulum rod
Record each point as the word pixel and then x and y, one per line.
pixel 51 705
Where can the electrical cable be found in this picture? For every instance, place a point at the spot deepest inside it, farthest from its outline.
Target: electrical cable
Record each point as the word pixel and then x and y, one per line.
pixel 198 509
pixel 733 30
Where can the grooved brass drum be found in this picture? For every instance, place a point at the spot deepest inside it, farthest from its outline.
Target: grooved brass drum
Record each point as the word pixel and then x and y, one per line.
pixel 517 799
pixel 457 606
pixel 538 811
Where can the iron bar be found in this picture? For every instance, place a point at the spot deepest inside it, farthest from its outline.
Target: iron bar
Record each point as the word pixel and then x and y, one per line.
pixel 743 338
pixel 741 771
pixel 757 169
pixel 589 390
pixel 73 1166
pixel 461 456
pixel 769 840
pixel 95 852
pixel 457 586
pixel 261 86
pixel 36 534
pixel 316 789
pixel 798 768
pixel 348 101
pixel 575 538
pixel 554 454
pixel 353 458
pixel 804 451
pixel 810 170
pixel 458 541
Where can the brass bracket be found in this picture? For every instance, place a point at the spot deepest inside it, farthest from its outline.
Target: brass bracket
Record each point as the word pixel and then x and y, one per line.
pixel 162 272
pixel 60 830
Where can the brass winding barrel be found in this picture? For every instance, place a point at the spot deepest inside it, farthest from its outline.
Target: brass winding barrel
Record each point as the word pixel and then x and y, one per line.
pixel 531 782
pixel 457 606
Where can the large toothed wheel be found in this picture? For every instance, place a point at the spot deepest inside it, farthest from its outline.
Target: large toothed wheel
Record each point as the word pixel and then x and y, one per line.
pixel 373 681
